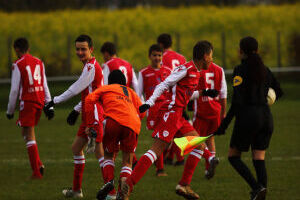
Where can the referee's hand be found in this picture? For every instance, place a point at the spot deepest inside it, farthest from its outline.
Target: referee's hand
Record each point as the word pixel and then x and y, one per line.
pixel 144 108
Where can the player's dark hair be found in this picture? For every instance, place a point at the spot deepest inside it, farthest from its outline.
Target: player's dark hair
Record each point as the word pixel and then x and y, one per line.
pixel 256 68
pixel 116 77
pixel 109 47
pixel 165 39
pixel 21 44
pixel 85 38
pixel 154 47
pixel 201 48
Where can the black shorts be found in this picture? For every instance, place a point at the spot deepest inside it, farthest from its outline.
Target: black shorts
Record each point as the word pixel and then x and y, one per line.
pixel 253 127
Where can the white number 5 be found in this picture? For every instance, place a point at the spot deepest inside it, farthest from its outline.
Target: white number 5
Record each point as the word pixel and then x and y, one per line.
pixel 209 80
pixel 36 74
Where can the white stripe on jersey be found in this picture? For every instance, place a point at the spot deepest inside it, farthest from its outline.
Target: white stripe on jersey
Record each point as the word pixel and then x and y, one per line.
pixel 173 97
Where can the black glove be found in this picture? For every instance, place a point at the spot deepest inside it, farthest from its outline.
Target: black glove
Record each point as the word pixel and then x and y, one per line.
pixel 220 131
pixel 185 115
pixel 144 107
pixel 9 116
pixel 48 110
pixel 71 120
pixel 210 92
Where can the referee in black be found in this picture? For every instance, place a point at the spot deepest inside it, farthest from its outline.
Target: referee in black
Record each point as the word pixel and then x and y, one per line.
pixel 254 122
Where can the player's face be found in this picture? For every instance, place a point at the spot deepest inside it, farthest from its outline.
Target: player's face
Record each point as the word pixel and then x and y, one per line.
pixel 83 51
pixel 155 57
pixel 208 59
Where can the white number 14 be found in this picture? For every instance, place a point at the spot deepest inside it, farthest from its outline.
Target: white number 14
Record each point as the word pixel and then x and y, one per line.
pixel 36 74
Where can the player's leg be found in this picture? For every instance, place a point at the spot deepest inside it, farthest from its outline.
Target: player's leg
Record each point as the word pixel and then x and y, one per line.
pixel 33 153
pixel 79 164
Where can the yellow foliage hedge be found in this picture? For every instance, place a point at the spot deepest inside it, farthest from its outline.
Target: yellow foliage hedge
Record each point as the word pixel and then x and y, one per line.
pixel 136 29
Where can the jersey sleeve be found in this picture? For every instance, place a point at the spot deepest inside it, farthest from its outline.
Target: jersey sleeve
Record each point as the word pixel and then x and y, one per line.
pixel 223 91
pixel 14 90
pixel 85 79
pixel 78 107
pixel 137 103
pixel 89 104
pixel 134 83
pixel 46 89
pixel 106 72
pixel 141 85
pixel 170 81
pixel 195 95
pixel 275 85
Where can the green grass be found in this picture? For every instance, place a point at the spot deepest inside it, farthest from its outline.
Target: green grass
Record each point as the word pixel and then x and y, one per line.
pixel 55 138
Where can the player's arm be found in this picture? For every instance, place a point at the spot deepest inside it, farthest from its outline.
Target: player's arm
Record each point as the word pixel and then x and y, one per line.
pixel 170 81
pixel 50 112
pixel 223 96
pixel 134 82
pixel 14 91
pixel 89 104
pixel 275 85
pixel 137 103
pixel 85 79
pixel 106 72
pixel 141 87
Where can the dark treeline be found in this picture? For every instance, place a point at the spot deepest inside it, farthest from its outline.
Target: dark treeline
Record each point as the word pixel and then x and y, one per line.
pixel 49 5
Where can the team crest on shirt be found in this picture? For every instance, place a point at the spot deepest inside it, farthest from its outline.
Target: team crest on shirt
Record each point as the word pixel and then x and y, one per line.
pixel 237 80
pixel 165 133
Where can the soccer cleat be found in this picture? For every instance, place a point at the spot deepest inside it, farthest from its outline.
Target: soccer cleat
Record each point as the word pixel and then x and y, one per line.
pixel 69 193
pixel 106 188
pixel 91 145
pixel 161 172
pixel 258 194
pixel 125 190
pixel 179 163
pixel 186 192
pixel 42 168
pixel 210 172
pixel 111 197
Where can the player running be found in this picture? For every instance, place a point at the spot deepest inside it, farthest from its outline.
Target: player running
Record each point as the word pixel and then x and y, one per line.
pixel 182 83
pixel 90 79
pixel 149 77
pixel 120 104
pixel 29 82
pixel 209 112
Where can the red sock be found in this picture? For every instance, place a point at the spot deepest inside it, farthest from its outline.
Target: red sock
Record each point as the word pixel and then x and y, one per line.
pixel 79 163
pixel 141 167
pixel 190 166
pixel 207 155
pixel 159 163
pixel 108 170
pixel 34 158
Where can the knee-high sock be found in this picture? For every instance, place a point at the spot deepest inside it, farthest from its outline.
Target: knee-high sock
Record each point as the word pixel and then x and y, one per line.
pixel 79 163
pixel 34 157
pixel 261 172
pixel 108 170
pixel 142 166
pixel 190 166
pixel 101 160
pixel 243 171
pixel 159 163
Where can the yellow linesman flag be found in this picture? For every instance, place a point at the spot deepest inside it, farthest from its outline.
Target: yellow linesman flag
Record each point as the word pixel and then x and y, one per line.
pixel 188 143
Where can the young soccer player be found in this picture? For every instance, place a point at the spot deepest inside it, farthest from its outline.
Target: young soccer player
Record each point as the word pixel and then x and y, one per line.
pixel 209 112
pixel 182 83
pixel 172 60
pixel 122 125
pixel 112 62
pixel 90 79
pixel 149 77
pixel 29 82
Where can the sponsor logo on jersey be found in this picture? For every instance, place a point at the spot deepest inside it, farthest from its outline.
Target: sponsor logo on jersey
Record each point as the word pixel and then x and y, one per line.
pixel 237 80
pixel 165 133
pixel 166 115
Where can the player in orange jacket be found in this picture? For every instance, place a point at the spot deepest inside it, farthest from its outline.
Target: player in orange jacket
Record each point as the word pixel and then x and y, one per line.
pixel 122 125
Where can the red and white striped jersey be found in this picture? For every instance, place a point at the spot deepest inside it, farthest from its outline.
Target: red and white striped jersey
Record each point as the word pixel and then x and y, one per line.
pixel 125 67
pixel 181 83
pixel 90 79
pixel 172 59
pixel 149 78
pixel 212 78
pixel 29 81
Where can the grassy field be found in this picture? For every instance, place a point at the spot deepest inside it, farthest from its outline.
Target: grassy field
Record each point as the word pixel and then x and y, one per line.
pixel 136 29
pixel 55 137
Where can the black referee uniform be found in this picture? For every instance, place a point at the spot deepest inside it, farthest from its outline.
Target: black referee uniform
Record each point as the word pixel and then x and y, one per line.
pixel 254 122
